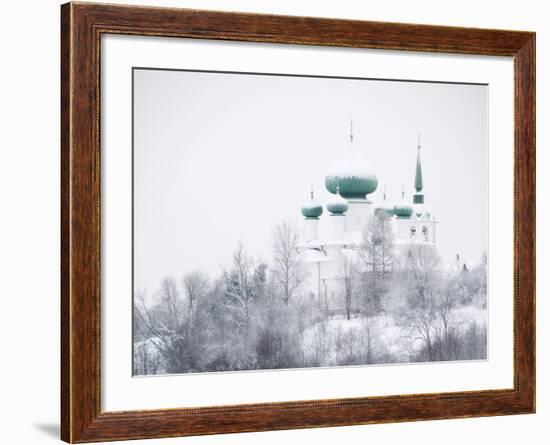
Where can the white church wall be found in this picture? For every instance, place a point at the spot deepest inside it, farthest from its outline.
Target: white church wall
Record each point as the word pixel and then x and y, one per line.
pixel 311 229
pixel 337 227
pixel 415 230
pixel 358 214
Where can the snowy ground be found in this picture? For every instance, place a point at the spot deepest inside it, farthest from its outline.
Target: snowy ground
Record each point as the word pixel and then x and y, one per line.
pixel 338 341
pixel 381 334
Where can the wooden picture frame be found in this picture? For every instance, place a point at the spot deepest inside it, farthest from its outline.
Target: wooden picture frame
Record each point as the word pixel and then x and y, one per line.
pixel 82 25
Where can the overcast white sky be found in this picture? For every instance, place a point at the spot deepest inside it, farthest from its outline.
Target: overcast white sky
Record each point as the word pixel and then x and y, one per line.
pixel 221 158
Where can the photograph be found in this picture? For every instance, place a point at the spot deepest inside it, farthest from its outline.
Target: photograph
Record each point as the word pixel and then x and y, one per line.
pixel 285 221
pixel 279 218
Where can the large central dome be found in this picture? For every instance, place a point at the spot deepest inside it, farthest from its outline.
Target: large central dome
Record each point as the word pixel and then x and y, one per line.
pixel 354 176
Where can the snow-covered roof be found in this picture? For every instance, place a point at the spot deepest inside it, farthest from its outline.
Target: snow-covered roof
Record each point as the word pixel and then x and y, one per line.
pixel 353 174
pixel 313 256
pixel 353 165
pixel 312 244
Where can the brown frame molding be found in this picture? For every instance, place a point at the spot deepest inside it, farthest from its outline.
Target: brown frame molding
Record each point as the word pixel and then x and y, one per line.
pixel 82 25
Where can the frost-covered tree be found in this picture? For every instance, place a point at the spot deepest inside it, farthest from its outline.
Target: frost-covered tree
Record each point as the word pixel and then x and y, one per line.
pixel 423 273
pixel 147 359
pixel 195 286
pixel 377 259
pixel 288 273
pixel 473 283
pixel 177 325
pixel 376 247
pixel 419 323
pixel 221 325
pixel 244 287
pixel 240 288
pixel 432 316
pixel 349 281
pixel 253 315
pixel 166 325
pixel 259 280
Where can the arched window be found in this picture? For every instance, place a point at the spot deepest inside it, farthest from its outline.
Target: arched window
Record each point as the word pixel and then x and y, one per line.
pixel 425 232
pixel 413 231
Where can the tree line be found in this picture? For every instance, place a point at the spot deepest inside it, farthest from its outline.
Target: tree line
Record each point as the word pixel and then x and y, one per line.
pixel 259 315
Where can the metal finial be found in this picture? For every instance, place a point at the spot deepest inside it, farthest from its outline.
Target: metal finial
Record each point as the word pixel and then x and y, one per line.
pixel 403 191
pixel 351 130
pixel 418 140
pixel 311 193
pixel 384 193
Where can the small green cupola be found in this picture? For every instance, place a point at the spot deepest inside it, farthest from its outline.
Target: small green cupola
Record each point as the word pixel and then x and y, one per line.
pixel 403 209
pixel 338 205
pixel 384 208
pixel 312 209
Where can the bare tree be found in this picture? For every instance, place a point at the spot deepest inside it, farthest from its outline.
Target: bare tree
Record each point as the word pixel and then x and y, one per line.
pixel 431 315
pixel 423 267
pixel 240 287
pixel 220 323
pixel 421 324
pixel 166 324
pixel 422 315
pixel 236 321
pixel 147 359
pixel 170 309
pixel 195 285
pixel 377 258
pixel 443 335
pixel 288 273
pixel 348 281
pixel 287 270
pixel 377 246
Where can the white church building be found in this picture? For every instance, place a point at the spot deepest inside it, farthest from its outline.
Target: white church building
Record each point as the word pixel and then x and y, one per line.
pixel 351 180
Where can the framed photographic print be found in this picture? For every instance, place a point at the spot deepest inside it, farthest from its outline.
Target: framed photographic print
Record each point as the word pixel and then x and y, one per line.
pixel 274 222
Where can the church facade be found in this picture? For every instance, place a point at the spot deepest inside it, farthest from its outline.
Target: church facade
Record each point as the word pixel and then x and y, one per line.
pixel 350 181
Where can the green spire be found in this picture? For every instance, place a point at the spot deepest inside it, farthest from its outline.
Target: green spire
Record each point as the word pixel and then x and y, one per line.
pixel 418 175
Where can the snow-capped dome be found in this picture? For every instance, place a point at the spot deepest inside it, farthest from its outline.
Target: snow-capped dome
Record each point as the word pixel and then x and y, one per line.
pixel 312 208
pixel 353 174
pixel 338 205
pixel 384 207
pixel 403 209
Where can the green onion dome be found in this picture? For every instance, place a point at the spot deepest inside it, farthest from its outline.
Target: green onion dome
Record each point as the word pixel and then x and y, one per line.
pixel 354 176
pixel 312 209
pixel 338 205
pixel 384 208
pixel 403 209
